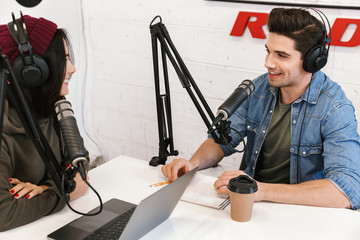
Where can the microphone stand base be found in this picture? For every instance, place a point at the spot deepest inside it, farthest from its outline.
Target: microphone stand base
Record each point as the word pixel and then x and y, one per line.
pixel 155 161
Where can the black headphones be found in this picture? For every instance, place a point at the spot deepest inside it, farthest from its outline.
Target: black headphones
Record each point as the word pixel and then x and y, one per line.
pixel 30 70
pixel 316 57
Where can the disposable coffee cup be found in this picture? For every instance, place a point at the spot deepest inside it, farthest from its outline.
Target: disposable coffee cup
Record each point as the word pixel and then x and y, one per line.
pixel 242 194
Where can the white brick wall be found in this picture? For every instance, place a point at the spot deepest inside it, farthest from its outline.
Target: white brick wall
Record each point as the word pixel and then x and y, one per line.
pixel 123 102
pixel 119 109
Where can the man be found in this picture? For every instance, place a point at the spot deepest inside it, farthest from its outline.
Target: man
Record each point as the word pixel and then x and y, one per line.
pixel 302 140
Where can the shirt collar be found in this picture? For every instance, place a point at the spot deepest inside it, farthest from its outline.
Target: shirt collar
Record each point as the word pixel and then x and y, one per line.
pixel 316 84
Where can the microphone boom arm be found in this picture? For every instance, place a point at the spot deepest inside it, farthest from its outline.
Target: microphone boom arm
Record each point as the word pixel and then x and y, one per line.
pixel 28 120
pixel 159 33
pixel 63 178
pixel 3 76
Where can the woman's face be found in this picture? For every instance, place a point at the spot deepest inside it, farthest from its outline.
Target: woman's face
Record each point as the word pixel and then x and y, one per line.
pixel 69 70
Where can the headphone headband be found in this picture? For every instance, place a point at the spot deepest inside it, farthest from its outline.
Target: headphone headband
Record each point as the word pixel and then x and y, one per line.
pixel 30 70
pixel 327 38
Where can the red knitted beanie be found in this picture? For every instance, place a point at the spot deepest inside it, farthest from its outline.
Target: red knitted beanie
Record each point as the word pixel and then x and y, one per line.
pixel 40 31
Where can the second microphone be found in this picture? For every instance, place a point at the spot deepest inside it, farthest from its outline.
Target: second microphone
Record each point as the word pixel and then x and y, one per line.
pixel 74 144
pixel 233 102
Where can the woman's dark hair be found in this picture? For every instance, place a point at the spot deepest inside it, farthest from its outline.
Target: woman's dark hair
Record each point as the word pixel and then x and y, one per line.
pixel 298 24
pixel 41 99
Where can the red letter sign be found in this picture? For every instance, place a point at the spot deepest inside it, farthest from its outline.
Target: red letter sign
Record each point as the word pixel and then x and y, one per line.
pixel 255 27
pixel 256 30
pixel 338 30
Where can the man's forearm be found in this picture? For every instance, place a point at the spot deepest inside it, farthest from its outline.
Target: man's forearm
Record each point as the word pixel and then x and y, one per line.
pixel 207 155
pixel 315 193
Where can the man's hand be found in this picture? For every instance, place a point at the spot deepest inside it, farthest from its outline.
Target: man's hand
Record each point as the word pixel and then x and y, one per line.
pixel 27 189
pixel 221 183
pixel 177 168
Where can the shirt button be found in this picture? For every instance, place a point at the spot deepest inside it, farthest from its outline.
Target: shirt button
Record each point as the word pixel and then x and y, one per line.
pixel 304 153
pixel 263 131
pixel 270 111
pixel 294 121
pixel 248 126
pixel 256 152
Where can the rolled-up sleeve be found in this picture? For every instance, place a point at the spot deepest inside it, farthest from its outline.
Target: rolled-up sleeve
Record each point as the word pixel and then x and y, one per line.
pixel 342 153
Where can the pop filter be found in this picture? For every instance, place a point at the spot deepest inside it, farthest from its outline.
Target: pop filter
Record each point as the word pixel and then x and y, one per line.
pixel 28 3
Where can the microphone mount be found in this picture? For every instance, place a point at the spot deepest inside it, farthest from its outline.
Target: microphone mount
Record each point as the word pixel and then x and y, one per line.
pixel 160 35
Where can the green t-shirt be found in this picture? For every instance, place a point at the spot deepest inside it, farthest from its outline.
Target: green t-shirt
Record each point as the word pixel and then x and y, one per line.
pixel 273 165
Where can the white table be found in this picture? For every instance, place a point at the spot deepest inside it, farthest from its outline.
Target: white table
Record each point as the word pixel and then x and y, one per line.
pixel 129 179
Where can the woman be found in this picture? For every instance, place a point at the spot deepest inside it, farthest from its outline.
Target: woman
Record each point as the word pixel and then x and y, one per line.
pixel 27 192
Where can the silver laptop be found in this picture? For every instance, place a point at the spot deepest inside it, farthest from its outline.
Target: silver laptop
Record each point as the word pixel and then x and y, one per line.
pixel 133 220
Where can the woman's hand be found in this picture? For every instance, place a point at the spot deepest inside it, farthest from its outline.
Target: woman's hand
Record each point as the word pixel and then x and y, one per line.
pixel 27 189
pixel 81 187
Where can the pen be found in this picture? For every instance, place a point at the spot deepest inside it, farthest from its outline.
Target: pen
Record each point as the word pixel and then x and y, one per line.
pixel 160 184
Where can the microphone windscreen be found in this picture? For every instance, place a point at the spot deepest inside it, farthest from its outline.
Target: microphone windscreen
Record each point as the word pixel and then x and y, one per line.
pixel 73 141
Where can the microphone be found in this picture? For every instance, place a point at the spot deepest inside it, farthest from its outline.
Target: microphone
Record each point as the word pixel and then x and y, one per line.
pixel 74 145
pixel 233 102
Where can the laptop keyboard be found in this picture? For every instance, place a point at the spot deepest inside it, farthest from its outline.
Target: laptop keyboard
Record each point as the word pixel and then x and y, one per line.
pixel 114 230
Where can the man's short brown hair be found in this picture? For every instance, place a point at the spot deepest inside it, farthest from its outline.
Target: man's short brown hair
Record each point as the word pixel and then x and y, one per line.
pixel 298 24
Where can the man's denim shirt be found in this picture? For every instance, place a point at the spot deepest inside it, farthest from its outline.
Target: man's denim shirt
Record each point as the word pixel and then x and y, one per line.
pixel 329 146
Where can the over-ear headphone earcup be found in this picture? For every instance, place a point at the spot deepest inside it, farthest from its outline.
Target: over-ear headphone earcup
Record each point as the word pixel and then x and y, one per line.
pixel 31 75
pixel 315 59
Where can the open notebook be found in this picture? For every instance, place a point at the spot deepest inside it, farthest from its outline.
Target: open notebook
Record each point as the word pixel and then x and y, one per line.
pixel 201 191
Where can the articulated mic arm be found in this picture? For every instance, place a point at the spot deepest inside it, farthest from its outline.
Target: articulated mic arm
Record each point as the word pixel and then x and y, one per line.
pixel 160 34
pixel 63 178
pixel 16 97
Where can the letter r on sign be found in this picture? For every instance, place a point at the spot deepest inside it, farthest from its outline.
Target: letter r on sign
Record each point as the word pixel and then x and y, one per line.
pixel 255 27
